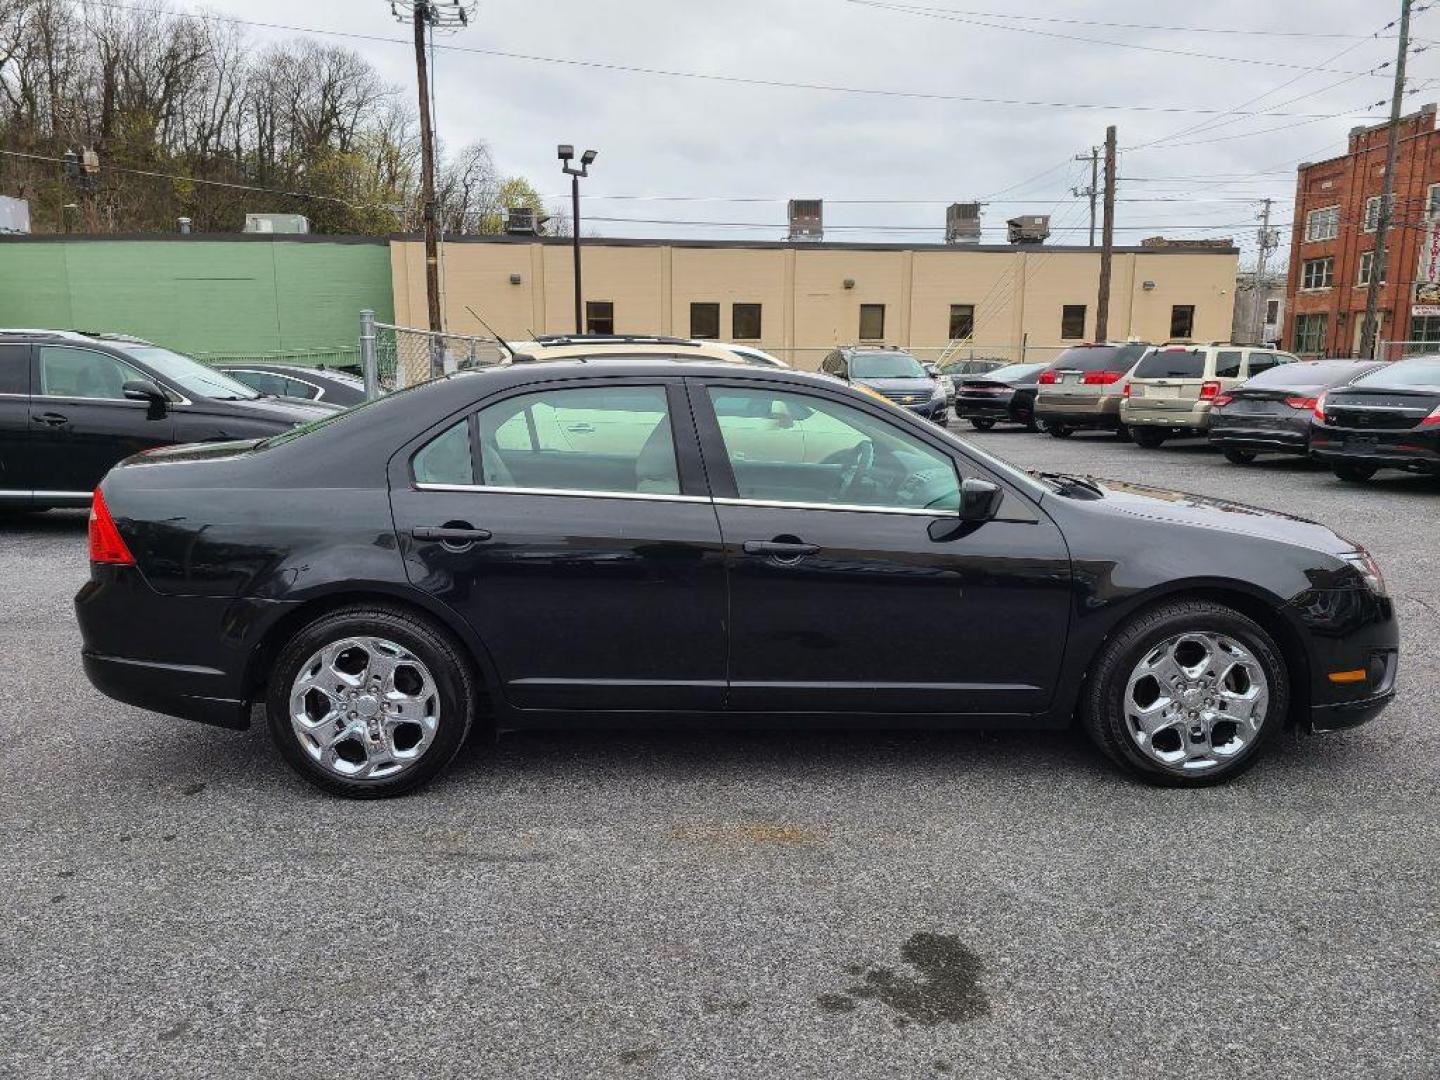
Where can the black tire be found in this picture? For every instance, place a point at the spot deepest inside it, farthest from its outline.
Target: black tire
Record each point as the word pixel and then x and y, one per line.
pixel 1102 706
pixel 1236 456
pixel 1354 474
pixel 980 424
pixel 450 669
pixel 1057 430
pixel 1031 426
pixel 1148 438
pixel 1122 433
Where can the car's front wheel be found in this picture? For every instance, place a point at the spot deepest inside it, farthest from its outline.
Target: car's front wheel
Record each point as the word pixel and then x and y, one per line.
pixel 1236 456
pixel 1354 474
pixel 1057 430
pixel 1187 694
pixel 370 701
pixel 981 423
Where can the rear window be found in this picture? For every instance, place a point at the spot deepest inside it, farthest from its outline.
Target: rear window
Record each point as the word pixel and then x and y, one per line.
pixel 1330 373
pixel 1099 358
pixel 1172 364
pixel 1424 373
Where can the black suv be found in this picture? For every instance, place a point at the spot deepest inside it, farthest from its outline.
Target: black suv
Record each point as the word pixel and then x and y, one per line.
pixel 73 404
pixel 893 374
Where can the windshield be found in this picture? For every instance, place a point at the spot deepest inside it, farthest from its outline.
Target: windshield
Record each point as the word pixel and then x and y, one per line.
pixel 190 375
pixel 1015 372
pixel 886 365
pixel 1172 364
pixel 1420 372
pixel 1099 358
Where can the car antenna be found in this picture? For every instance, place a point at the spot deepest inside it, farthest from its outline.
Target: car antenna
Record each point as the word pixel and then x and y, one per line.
pixel 502 342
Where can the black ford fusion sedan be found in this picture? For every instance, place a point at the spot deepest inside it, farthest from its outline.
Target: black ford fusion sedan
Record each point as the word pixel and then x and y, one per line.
pixel 1389 419
pixel 678 540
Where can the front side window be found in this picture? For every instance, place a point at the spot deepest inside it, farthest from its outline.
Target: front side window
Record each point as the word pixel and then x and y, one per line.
pixel 872 322
pixel 796 448
pixel 599 316
pixel 1317 273
pixel 1323 224
pixel 1182 321
pixel 962 321
pixel 745 322
pixel 608 438
pixel 1310 333
pixel 1072 322
pixel 83 373
pixel 447 458
pixel 705 321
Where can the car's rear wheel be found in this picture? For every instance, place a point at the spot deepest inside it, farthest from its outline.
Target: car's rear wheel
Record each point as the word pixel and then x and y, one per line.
pixel 370 701
pixel 981 424
pixel 1148 437
pixel 1057 430
pixel 1187 694
pixel 1236 456
pixel 1354 474
pixel 1122 433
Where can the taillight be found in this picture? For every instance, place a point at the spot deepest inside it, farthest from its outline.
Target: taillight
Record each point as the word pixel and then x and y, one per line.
pixel 1433 419
pixel 1101 378
pixel 1209 391
pixel 1221 401
pixel 1126 391
pixel 106 543
pixel 1320 407
pixel 1301 402
pixel 1046 378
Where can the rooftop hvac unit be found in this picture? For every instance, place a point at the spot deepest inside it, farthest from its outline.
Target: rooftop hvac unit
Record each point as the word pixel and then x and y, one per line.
pixel 277 223
pixel 520 221
pixel 962 223
pixel 1029 228
pixel 807 219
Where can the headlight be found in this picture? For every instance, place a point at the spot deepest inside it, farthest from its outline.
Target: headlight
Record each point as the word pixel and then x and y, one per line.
pixel 1368 569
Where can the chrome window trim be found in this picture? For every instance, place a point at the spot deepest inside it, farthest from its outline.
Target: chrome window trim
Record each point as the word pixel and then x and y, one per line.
pixel 643 496
pixel 61 494
pixel 849 508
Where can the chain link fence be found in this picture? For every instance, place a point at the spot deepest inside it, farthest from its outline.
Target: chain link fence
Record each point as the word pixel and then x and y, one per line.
pixel 405 356
pixel 343 357
pixel 1398 350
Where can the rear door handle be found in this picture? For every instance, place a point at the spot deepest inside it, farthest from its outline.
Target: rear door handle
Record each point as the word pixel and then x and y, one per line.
pixel 780 549
pixel 52 419
pixel 448 534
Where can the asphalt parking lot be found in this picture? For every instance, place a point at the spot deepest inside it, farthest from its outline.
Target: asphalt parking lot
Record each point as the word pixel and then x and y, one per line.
pixel 180 904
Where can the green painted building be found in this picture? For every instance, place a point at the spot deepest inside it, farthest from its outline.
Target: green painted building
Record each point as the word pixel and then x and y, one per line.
pixel 237 295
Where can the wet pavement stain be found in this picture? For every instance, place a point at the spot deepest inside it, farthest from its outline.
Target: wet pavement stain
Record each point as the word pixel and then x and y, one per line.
pixel 748 834
pixel 947 992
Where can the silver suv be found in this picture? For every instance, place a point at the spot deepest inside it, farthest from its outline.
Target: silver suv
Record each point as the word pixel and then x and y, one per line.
pixel 1082 388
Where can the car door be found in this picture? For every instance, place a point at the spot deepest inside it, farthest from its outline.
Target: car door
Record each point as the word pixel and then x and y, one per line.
pixel 594 576
pixel 15 471
pixel 854 587
pixel 81 423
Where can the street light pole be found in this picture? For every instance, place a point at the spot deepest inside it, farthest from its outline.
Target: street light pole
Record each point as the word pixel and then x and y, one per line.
pixel 566 153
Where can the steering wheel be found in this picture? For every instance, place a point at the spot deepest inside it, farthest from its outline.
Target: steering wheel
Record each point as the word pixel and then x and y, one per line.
pixel 863 458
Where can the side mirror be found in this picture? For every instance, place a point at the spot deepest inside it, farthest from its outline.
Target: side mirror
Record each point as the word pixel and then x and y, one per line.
pixel 933 370
pixel 146 391
pixel 979 499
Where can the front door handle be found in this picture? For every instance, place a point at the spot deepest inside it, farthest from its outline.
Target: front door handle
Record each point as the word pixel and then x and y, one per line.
pixel 780 549
pixel 448 534
pixel 52 419
pixel 581 429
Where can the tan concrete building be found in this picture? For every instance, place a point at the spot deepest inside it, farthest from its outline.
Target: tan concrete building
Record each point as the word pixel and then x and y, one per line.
pixel 798 300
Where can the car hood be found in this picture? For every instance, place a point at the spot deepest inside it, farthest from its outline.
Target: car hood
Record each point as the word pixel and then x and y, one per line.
pixel 1184 508
pixel 283 410
pixel 900 386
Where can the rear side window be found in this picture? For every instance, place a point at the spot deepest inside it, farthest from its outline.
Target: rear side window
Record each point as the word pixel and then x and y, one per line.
pixel 14 369
pixel 1172 364
pixel 446 459
pixel 612 438
pixel 1227 364
pixel 1099 358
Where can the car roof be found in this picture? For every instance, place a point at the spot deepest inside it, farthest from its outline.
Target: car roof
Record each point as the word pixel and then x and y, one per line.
pixel 73 335
pixel 638 365
pixel 619 348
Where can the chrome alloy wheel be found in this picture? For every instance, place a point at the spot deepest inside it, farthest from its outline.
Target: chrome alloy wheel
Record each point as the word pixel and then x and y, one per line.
pixel 1195 701
pixel 364 708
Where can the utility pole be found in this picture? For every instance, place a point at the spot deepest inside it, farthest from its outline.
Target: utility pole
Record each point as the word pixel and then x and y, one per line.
pixel 1107 240
pixel 1368 331
pixel 425 16
pixel 1094 189
pixel 1269 240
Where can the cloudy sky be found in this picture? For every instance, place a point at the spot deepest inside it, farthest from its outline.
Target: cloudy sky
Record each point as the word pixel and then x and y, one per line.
pixel 684 150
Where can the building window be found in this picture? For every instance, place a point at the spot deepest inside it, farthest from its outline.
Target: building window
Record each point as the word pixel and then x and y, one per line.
pixel 872 322
pixel 1272 312
pixel 962 321
pixel 600 316
pixel 1432 201
pixel 1322 224
pixel 1424 332
pixel 1310 333
pixel 1372 213
pixel 1182 321
pixel 1072 321
pixel 745 322
pixel 705 321
pixel 1317 273
pixel 1367 260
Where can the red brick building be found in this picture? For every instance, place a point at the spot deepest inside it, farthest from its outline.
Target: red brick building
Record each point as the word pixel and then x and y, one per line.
pixel 1337 205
